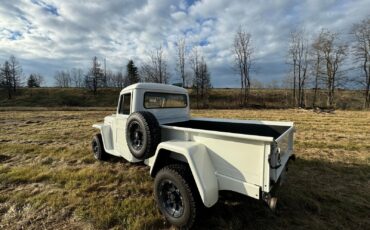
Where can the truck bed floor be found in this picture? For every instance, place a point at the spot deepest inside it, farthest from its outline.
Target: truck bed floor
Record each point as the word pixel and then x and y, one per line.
pixel 249 129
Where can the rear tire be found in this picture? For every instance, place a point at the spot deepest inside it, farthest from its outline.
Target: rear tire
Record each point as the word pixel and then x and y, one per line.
pixel 175 195
pixel 98 147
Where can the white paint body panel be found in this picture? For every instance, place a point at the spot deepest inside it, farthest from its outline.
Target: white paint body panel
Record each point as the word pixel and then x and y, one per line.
pixel 200 165
pixel 218 160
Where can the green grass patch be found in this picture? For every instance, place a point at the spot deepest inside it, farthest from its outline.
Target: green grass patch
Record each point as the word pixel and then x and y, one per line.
pixel 24 174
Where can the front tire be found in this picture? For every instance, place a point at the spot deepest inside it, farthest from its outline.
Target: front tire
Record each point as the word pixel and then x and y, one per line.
pixel 175 196
pixel 98 148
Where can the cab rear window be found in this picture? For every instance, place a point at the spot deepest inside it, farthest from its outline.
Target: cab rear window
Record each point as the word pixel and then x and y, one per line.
pixel 154 100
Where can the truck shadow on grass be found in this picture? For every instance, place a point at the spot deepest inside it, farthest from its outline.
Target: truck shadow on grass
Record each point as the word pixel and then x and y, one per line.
pixel 316 195
pixel 120 160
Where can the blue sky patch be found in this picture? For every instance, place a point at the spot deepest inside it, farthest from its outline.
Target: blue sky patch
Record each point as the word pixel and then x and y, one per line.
pixel 191 2
pixel 48 8
pixel 203 42
pixel 51 9
pixel 15 35
pixel 188 31
pixel 203 20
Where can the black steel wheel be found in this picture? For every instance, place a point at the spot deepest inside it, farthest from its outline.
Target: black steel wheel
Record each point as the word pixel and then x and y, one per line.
pixel 136 133
pixel 97 147
pixel 171 198
pixel 175 195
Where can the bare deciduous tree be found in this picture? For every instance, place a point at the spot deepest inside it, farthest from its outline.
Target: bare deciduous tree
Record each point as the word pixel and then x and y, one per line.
pixel 10 75
pixel 293 57
pixel 194 60
pixel 180 65
pixel 155 70
pixel 361 50
pixel 108 80
pixel 77 77
pixel 6 78
pixel 16 72
pixel 201 77
pixel 95 77
pixel 298 52
pixel 62 79
pixel 119 80
pixel 333 54
pixel 243 61
pixel 317 67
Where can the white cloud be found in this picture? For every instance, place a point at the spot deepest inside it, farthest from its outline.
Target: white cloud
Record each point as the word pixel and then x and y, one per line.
pixel 46 40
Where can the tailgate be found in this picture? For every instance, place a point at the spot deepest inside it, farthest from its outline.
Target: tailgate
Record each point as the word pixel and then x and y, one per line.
pixel 281 151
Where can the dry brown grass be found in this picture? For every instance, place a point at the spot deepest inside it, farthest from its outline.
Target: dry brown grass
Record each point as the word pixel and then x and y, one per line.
pixel 49 179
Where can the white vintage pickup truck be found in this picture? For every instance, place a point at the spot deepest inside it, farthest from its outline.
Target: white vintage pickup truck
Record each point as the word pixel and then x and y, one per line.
pixel 192 159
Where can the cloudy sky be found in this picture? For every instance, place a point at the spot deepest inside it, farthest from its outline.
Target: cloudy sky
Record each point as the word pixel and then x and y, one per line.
pixel 51 35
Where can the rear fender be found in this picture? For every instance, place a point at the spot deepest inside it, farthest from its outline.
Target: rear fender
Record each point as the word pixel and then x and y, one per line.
pixel 107 136
pixel 196 156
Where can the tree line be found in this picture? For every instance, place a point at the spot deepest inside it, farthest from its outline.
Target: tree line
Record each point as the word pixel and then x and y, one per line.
pixel 322 60
pixel 10 75
pixel 12 78
pixel 191 66
pixel 316 63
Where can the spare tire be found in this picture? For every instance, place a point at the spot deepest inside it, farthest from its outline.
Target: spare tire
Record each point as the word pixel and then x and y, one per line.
pixel 143 134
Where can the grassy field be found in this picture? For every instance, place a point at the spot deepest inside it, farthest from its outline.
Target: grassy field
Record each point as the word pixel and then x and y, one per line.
pixel 50 180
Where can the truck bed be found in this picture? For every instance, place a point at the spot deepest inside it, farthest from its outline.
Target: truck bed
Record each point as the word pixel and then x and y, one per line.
pixel 273 131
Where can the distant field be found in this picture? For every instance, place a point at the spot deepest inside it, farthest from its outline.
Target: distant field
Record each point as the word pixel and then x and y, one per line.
pixel 50 180
pixel 218 98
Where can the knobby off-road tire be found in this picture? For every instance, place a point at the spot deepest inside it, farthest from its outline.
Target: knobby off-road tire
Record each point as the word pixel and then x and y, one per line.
pixel 176 195
pixel 98 148
pixel 143 134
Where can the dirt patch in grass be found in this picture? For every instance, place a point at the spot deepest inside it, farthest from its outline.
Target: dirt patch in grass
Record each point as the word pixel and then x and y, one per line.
pixel 50 180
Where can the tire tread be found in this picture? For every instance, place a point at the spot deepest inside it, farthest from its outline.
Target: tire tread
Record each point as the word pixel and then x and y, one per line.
pixel 152 131
pixel 182 172
pixel 102 154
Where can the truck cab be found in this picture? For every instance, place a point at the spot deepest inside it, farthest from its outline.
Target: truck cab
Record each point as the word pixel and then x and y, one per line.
pixel 192 159
pixel 166 102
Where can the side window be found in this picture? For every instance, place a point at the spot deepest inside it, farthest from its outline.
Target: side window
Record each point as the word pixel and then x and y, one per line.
pixel 125 104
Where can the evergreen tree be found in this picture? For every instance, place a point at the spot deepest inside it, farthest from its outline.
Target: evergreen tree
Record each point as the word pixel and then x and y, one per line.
pixel 132 73
pixel 33 81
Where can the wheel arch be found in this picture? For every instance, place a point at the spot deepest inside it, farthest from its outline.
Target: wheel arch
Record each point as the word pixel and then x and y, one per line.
pixel 195 155
pixel 166 157
pixel 107 136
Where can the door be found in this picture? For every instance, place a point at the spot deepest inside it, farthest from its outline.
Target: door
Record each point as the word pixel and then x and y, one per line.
pixel 123 113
